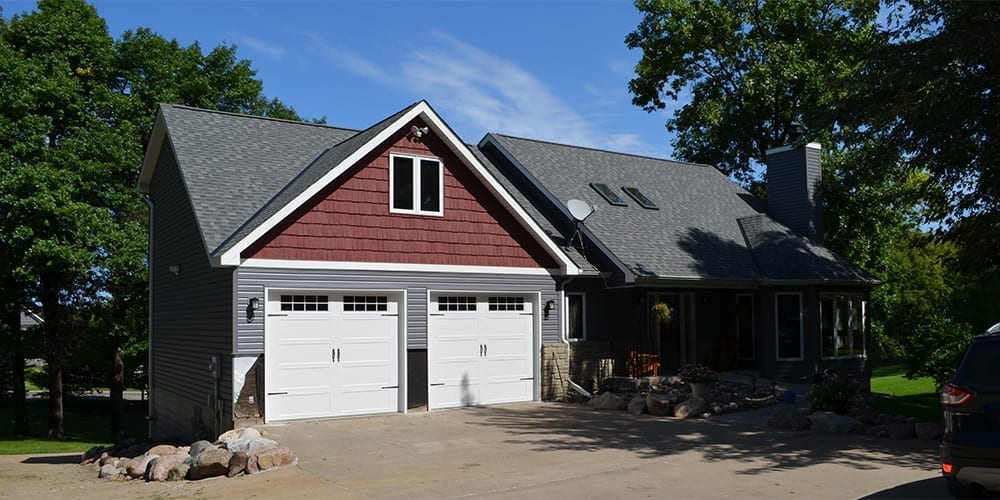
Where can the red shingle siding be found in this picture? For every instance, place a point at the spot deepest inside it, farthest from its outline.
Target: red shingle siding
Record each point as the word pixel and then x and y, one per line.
pixel 350 221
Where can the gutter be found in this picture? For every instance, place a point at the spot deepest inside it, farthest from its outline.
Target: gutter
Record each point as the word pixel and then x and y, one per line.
pixel 150 418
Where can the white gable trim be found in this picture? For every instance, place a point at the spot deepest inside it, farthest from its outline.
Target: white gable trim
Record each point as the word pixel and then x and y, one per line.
pixel 231 257
pixel 393 267
pixel 156 139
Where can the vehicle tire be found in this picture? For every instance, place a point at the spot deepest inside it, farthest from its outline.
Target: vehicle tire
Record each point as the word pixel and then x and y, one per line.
pixel 959 490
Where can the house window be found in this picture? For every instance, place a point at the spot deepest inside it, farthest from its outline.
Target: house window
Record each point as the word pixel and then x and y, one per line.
pixel 506 303
pixel 450 303
pixel 788 325
pixel 842 325
pixel 367 303
pixel 744 325
pixel 576 316
pixel 305 303
pixel 416 185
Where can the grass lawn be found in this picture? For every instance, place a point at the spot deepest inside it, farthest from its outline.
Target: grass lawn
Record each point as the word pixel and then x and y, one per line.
pixel 902 396
pixel 87 423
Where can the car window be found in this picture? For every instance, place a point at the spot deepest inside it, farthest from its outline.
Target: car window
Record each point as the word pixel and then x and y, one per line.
pixel 981 367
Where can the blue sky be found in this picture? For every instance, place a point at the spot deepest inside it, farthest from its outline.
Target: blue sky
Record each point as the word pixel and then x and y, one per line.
pixel 555 71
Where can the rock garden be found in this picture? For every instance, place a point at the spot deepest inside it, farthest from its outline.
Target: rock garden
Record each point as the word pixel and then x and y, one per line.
pixel 673 397
pixel 235 452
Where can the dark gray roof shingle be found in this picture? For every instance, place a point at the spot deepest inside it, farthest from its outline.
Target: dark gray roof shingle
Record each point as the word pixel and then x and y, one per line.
pixel 695 234
pixel 234 164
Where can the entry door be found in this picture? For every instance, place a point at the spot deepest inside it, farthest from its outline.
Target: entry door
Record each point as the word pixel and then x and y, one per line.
pixel 479 350
pixel 330 354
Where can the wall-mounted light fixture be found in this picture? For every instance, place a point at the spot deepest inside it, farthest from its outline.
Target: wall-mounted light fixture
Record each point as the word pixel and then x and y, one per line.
pixel 175 269
pixel 252 305
pixel 549 304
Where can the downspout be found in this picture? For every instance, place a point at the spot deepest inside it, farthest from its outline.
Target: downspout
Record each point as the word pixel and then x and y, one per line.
pixel 149 320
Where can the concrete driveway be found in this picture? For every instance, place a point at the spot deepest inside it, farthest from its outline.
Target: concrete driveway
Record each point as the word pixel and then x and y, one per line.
pixel 549 450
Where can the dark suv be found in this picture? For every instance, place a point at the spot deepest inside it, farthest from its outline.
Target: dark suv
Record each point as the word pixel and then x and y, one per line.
pixel 970 451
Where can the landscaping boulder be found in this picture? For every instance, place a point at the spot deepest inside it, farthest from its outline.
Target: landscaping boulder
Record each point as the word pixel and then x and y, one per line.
pixel 237 464
pixel 136 467
pixel 249 433
pixel 270 457
pixel 160 467
pixel 248 444
pixel 690 408
pixel 608 401
pixel 637 405
pixel 619 385
pixel 789 418
pixel 827 421
pixel 902 430
pixel 198 447
pixel 658 404
pixel 929 431
pixel 227 436
pixel 109 471
pixel 179 472
pixel 210 463
pixel 162 450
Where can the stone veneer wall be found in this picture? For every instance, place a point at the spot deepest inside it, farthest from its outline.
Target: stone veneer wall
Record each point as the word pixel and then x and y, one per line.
pixel 555 371
pixel 590 363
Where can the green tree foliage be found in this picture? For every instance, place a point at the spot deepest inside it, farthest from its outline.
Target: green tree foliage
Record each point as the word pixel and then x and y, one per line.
pixel 76 108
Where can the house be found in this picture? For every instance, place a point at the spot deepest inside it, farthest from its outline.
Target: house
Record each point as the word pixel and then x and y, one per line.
pixel 305 271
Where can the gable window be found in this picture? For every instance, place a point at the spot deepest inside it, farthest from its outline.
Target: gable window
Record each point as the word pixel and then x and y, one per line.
pixel 842 325
pixel 415 185
pixel 576 316
pixel 788 325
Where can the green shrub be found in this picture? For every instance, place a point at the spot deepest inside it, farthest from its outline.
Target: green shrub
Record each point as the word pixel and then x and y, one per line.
pixel 832 395
pixel 935 348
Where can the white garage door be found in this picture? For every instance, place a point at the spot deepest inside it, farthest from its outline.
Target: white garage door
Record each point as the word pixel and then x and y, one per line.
pixel 479 349
pixel 330 354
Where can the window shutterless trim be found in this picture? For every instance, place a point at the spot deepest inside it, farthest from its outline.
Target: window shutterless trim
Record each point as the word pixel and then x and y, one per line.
pixel 583 316
pixel 777 337
pixel 417 181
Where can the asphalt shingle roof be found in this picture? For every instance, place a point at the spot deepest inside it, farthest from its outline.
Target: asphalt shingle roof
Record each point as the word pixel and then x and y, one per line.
pixel 234 164
pixel 695 234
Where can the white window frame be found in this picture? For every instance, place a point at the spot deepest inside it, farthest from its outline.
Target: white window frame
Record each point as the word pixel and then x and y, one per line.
pixel 753 324
pixel 861 318
pixel 777 343
pixel 583 320
pixel 417 187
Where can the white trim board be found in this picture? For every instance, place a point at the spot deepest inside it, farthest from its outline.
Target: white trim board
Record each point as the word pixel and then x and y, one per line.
pixel 394 267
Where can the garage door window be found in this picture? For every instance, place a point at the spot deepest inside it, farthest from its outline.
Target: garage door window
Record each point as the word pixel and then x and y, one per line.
pixel 450 303
pixel 506 303
pixel 366 303
pixel 305 303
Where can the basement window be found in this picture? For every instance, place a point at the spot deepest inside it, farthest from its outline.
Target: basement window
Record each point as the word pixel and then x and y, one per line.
pixel 608 194
pixel 416 185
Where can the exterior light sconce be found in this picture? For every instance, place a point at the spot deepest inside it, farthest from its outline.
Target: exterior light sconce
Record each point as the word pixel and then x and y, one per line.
pixel 549 304
pixel 175 269
pixel 252 305
pixel 419 132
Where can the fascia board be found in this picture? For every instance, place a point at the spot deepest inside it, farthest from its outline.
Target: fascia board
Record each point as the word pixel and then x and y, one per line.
pixel 157 137
pixel 560 206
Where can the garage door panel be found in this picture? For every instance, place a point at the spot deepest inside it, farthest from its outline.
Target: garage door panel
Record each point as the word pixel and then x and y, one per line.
pixel 337 360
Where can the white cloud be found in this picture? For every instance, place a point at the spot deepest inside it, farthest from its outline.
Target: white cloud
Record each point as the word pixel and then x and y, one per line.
pixel 480 92
pixel 267 48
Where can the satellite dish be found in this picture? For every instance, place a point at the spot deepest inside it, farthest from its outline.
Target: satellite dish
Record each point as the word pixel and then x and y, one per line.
pixel 579 209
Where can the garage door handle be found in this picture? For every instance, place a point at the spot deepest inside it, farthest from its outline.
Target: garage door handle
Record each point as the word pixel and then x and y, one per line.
pixel 391 387
pixel 435 385
pixel 273 315
pixel 338 355
pixel 480 350
pixel 528 378
pixel 276 393
pixel 393 315
pixel 436 314
pixel 486 350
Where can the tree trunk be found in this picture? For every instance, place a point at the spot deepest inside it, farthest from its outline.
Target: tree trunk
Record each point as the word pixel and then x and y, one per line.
pixel 13 321
pixel 117 393
pixel 54 353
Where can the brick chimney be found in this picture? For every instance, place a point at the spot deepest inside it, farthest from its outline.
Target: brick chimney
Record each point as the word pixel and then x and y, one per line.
pixel 794 191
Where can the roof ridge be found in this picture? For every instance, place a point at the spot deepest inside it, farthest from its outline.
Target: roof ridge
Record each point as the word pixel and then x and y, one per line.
pixel 590 148
pixel 257 117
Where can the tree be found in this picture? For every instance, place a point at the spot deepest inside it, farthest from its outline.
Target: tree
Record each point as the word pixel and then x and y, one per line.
pixel 76 108
pixel 751 68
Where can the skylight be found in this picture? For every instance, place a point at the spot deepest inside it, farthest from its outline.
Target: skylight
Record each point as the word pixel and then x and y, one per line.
pixel 640 198
pixel 608 194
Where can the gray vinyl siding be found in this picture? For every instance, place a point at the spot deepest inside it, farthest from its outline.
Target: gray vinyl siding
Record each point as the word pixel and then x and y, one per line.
pixel 794 192
pixel 191 315
pixel 251 282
